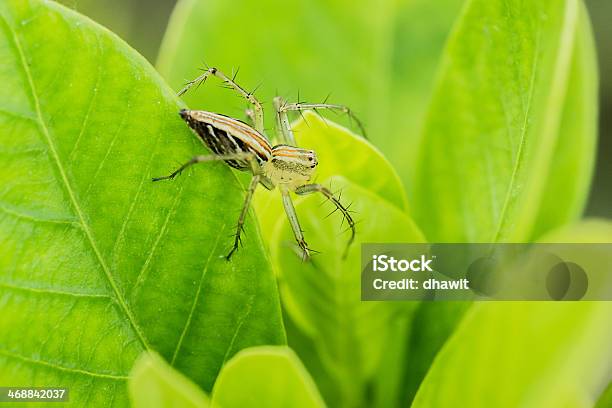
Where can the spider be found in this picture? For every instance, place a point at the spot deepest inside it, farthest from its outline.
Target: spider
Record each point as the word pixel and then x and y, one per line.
pixel 246 148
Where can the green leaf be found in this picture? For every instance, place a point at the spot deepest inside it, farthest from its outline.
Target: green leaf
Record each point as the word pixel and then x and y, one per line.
pixel 340 151
pixel 378 59
pixel 561 357
pixel 528 354
pixel 99 263
pixel 273 376
pixel 605 400
pixel 573 157
pixel 323 296
pixel 509 139
pixel 432 325
pixel 155 384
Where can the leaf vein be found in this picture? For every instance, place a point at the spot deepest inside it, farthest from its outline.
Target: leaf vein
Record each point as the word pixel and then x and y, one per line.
pixel 196 298
pixel 29 360
pixel 142 274
pixel 90 105
pixel 49 291
pixel 241 321
pixel 36 218
pixel 108 150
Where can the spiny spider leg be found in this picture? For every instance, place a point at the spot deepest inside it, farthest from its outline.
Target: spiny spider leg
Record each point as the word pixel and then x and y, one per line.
pixel 257 109
pixel 243 213
pixel 318 188
pixel 283 128
pixel 255 180
pixel 283 121
pixel 208 158
pixel 295 223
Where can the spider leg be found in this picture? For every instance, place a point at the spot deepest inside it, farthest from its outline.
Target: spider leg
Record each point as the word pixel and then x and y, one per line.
pixel 283 128
pixel 282 108
pixel 318 188
pixel 245 209
pixel 295 223
pixel 257 109
pixel 209 158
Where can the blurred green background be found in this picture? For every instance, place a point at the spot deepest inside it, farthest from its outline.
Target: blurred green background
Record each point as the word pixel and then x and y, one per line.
pixel 142 24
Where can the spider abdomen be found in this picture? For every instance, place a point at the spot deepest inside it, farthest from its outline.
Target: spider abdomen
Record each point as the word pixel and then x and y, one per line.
pixel 225 136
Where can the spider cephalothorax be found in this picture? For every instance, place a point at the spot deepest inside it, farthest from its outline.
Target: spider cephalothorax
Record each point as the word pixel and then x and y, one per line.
pixel 290 166
pixel 246 148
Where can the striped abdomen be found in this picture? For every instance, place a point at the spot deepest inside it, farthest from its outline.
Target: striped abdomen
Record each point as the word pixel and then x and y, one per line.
pixel 225 135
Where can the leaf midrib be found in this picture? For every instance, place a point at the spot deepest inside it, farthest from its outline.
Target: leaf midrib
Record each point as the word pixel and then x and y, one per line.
pixel 67 187
pixel 519 153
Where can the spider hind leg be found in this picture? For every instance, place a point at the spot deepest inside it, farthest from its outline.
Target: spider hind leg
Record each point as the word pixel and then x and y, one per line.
pixel 243 213
pixel 346 212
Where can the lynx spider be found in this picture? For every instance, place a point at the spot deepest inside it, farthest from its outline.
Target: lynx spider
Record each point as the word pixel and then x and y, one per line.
pixel 246 148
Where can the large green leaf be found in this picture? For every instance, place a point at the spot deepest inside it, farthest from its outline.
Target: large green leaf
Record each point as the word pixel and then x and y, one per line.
pixel 432 325
pixel 573 156
pixel 266 375
pixel 97 262
pixel 154 384
pixel 378 58
pixel 509 140
pixel 528 354
pixel 559 358
pixel 605 400
pixel 340 151
pixel 324 295
pixel 353 166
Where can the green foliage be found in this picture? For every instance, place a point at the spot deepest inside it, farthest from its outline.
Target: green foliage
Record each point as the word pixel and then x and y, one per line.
pixel 377 58
pixel 508 144
pixel 155 384
pixel 272 374
pixel 98 263
pixel 605 400
pixel 431 326
pixel 522 354
pixel 323 296
pixel 531 354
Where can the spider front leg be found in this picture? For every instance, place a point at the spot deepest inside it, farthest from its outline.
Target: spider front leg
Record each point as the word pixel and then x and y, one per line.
pixel 318 188
pixel 282 119
pixel 207 158
pixel 283 128
pixel 295 223
pixel 257 109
